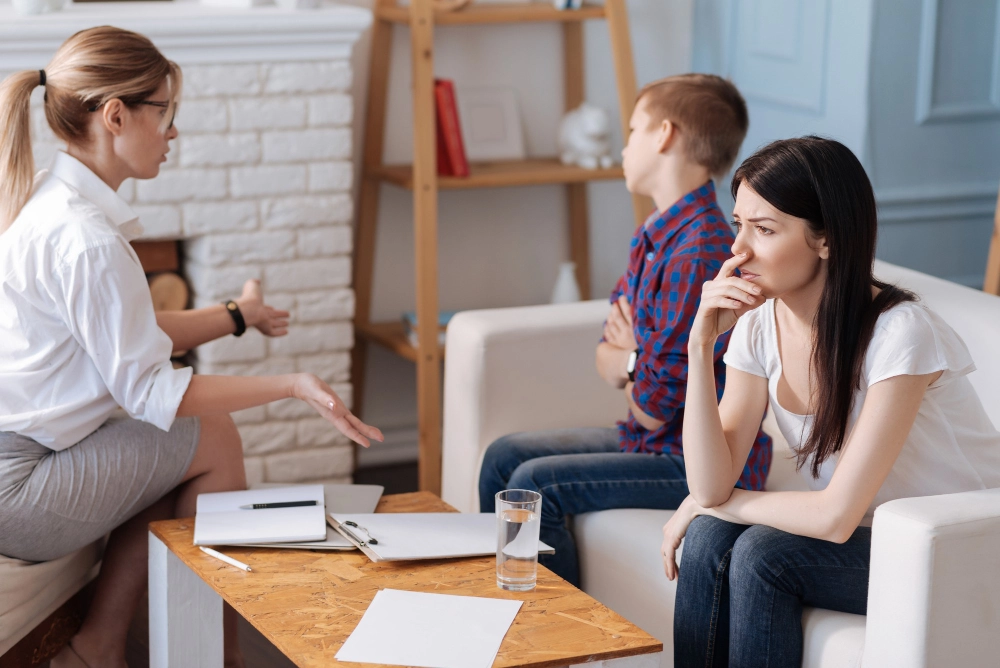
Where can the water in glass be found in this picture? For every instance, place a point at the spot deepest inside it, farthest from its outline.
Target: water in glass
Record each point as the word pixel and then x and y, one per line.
pixel 518 524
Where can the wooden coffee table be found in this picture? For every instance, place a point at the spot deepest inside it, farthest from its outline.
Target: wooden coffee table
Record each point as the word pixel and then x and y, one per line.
pixel 308 602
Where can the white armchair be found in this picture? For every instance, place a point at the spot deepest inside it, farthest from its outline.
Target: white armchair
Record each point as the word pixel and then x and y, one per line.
pixel 934 592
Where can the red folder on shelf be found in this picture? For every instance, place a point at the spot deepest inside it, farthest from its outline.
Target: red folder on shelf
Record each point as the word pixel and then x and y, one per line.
pixel 451 150
pixel 443 163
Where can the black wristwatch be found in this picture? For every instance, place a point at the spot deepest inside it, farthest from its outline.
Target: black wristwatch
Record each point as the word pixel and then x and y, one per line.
pixel 633 357
pixel 234 311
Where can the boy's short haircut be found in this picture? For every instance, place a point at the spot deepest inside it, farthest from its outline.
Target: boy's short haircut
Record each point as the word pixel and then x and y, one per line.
pixel 709 111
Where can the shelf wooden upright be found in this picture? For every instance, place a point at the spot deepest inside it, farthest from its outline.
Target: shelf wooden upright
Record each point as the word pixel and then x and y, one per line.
pixel 422 179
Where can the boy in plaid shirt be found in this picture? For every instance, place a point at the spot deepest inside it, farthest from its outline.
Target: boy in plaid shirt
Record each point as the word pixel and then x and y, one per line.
pixel 685 130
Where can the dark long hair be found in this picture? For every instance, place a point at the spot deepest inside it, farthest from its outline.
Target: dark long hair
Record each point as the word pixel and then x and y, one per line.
pixel 822 182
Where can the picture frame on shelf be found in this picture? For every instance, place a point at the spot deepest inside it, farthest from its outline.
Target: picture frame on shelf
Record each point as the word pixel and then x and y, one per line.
pixel 491 123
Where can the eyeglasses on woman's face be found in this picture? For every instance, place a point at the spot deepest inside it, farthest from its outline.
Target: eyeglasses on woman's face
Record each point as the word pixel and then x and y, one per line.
pixel 148 103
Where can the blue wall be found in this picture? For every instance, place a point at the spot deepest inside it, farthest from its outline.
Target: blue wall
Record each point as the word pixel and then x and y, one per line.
pixel 912 87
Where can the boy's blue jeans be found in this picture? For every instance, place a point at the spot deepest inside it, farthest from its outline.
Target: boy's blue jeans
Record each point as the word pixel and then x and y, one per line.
pixel 578 471
pixel 741 590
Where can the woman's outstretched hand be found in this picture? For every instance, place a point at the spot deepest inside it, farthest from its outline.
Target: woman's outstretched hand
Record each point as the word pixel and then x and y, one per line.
pixel 269 320
pixel 325 401
pixel 723 300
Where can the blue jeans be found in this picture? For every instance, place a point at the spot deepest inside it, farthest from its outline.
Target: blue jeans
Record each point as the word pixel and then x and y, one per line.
pixel 578 471
pixel 741 590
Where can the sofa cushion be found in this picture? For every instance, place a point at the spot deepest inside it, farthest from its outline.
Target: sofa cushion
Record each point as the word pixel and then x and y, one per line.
pixel 974 314
pixel 30 592
pixel 620 566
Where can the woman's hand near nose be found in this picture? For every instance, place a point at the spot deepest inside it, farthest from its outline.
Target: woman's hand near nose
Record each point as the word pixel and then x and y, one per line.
pixel 723 300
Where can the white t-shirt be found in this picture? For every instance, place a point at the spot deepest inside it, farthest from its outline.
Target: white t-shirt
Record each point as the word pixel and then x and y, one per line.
pixel 952 447
pixel 78 332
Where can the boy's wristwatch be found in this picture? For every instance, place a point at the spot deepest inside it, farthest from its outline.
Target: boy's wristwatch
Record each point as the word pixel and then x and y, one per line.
pixel 633 357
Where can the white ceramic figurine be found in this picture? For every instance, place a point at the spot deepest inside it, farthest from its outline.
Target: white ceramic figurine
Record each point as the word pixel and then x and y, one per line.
pixel 585 138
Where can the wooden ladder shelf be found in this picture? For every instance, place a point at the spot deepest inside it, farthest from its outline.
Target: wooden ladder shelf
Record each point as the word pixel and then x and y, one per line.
pixel 422 179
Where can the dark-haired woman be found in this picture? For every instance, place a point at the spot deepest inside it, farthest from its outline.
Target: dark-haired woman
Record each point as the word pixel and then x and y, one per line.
pixel 868 387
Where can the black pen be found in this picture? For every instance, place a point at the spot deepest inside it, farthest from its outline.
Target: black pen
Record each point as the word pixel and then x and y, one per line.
pixel 280 504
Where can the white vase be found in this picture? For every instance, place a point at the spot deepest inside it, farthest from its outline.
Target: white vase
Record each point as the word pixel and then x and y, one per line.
pixel 566 289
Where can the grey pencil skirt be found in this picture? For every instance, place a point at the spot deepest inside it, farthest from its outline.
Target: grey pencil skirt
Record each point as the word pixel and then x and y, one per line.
pixel 54 503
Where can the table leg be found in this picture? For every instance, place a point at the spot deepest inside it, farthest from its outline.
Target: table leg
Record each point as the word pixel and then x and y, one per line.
pixel 641 661
pixel 185 614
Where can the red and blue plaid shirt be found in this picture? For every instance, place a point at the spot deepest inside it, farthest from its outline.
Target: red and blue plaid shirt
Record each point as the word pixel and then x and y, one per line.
pixel 672 255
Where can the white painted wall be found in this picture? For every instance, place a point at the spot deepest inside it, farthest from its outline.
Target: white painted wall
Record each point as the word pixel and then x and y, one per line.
pixel 912 87
pixel 502 247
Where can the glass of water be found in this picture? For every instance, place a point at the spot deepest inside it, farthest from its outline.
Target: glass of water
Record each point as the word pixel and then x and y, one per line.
pixel 519 516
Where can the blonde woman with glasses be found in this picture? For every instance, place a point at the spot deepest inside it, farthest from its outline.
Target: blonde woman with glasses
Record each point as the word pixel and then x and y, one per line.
pixel 80 339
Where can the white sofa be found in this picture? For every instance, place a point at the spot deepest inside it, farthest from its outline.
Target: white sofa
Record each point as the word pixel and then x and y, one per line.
pixel 934 592
pixel 30 592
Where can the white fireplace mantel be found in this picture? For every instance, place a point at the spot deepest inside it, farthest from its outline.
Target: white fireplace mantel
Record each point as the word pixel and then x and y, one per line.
pixel 189 32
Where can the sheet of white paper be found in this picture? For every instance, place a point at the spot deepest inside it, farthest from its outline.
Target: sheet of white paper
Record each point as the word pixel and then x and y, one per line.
pixel 408 628
pixel 430 535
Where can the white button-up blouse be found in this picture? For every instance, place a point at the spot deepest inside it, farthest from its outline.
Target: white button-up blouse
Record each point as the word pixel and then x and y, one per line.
pixel 78 336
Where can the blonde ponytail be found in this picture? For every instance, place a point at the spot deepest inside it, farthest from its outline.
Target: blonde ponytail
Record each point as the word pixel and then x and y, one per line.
pixel 90 68
pixel 17 163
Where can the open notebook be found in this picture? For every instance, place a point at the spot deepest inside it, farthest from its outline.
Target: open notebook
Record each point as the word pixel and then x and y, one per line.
pixel 221 521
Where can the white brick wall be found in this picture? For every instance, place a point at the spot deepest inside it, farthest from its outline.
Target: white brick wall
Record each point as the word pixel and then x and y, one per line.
pixel 215 217
pixel 201 116
pixel 313 464
pixel 306 210
pixel 220 80
pixel 267 180
pixel 258 184
pixel 320 144
pixel 219 149
pixel 330 110
pixel 331 272
pixel 159 222
pixel 307 77
pixel 183 184
pixel 330 176
pixel 254 113
pixel 324 241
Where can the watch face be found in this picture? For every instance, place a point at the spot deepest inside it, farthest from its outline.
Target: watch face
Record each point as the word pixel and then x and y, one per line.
pixel 630 365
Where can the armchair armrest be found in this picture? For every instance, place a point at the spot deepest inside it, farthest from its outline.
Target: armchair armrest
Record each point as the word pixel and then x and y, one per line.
pixel 934 590
pixel 518 369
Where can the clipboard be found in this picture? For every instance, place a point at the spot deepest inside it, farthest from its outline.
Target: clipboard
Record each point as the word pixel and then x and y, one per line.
pixel 414 536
